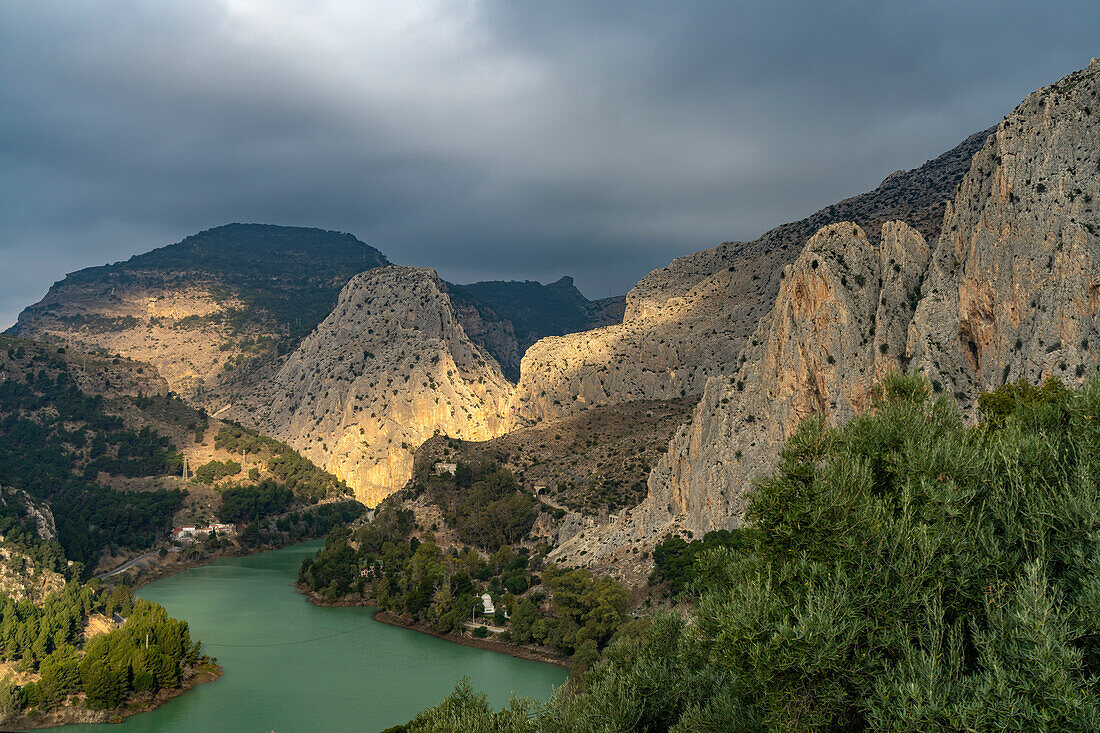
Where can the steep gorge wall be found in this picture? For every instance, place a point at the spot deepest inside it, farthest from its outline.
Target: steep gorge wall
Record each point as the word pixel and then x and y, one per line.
pixel 1011 290
pixel 821 349
pixel 1014 288
pixel 689 321
pixel 388 369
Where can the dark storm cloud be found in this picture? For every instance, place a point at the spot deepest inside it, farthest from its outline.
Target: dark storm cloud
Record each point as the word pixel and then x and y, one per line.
pixel 486 139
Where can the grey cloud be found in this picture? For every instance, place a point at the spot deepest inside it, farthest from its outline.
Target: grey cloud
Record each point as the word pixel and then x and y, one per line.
pixel 487 139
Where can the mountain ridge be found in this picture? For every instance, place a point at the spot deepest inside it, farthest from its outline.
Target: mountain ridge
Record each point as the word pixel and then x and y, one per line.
pixel 1008 290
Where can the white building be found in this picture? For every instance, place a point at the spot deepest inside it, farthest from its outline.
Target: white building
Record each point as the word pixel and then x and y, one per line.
pixel 191 532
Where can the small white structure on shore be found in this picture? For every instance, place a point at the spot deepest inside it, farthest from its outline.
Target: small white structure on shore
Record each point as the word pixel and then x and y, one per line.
pixel 487 604
pixel 190 532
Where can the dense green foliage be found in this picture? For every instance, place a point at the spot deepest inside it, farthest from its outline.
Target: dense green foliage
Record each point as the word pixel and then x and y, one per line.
pixel 308 482
pixel 569 611
pixel 249 503
pixel 54 441
pixel 674 558
pixel 483 502
pixel 150 651
pixel 302 524
pixel 907 573
pixel 215 470
pixel 468 712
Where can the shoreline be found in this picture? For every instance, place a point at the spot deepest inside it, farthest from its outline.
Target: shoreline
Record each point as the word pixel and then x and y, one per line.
pixel 144 577
pixel 512 649
pixel 78 715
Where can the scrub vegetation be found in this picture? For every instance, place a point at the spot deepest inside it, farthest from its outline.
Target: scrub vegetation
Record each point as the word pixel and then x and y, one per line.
pixel 570 612
pixel 904 572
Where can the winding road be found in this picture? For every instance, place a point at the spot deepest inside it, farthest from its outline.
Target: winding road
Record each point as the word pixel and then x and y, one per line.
pixel 127 565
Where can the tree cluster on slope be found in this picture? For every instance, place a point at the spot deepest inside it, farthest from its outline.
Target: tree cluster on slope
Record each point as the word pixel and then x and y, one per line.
pixel 569 611
pixel 307 482
pixel 54 442
pixel 483 502
pixel 149 652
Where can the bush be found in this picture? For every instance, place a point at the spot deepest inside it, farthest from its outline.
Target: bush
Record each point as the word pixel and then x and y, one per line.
pixel 216 470
pixel 906 572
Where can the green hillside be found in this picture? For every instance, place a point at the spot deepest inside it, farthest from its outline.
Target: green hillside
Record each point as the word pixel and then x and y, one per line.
pixel 287 278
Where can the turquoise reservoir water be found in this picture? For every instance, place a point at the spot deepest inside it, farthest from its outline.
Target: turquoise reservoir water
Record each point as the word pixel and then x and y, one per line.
pixel 291 666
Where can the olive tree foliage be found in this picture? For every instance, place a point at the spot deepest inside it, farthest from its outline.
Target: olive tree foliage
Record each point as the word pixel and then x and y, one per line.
pixel 907 572
pixel 470 712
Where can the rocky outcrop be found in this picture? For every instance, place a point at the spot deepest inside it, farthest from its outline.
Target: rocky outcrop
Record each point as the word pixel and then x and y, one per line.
pixel 1014 288
pixel 507 317
pixel 917 197
pixel 688 322
pixel 821 349
pixel 21 576
pixel 489 330
pixel 389 368
pixel 666 355
pixel 142 323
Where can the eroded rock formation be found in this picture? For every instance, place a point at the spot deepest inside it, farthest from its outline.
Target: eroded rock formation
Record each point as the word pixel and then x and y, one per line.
pixel 1014 288
pixel 821 349
pixel 389 368
pixel 689 321
pixel 1010 290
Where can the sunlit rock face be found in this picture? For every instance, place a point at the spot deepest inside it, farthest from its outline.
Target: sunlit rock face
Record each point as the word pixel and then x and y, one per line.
pixel 821 349
pixel 837 327
pixel 688 322
pixel 389 368
pixel 176 329
pixel 212 312
pixel 1014 288
pixel 1010 290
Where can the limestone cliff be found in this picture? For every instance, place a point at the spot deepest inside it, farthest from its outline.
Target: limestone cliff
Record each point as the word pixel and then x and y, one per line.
pixel 820 350
pixel 507 317
pixel 1010 290
pixel 688 322
pixel 390 367
pixel 1014 288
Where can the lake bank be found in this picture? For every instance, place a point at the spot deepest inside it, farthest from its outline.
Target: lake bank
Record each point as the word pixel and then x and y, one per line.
pixel 78 714
pixel 488 643
pixel 499 646
pixel 290 665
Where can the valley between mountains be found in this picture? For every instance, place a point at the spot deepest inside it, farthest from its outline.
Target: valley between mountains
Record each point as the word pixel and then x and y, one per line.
pixel 563 456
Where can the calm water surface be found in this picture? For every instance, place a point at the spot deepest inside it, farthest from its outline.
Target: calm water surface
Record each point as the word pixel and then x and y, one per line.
pixel 291 666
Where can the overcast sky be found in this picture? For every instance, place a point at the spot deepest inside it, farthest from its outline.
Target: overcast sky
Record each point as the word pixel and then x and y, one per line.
pixel 489 140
